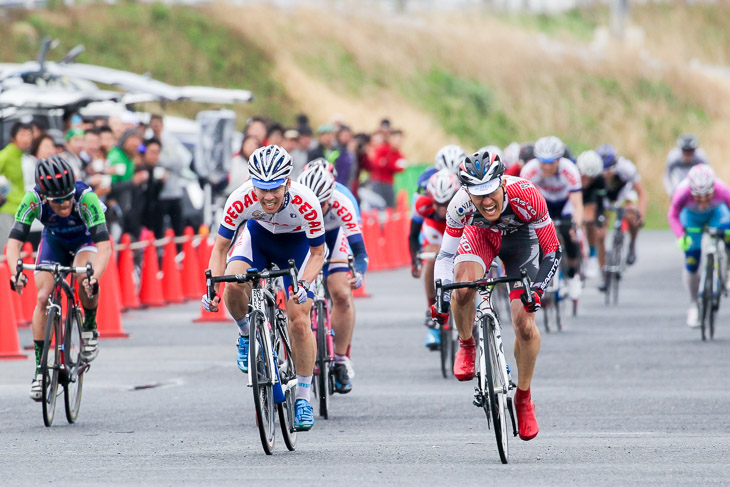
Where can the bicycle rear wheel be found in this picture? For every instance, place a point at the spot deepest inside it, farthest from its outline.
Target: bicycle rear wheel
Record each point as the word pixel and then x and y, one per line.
pixel 323 361
pixel 51 364
pixel 495 387
pixel 446 345
pixel 707 315
pixel 287 373
pixel 74 381
pixel 262 379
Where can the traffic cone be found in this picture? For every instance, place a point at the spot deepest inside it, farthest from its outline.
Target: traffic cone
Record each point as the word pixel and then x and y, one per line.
pixel 9 342
pixel 17 303
pixel 388 236
pixel 371 236
pixel 204 249
pixel 360 292
pixel 221 316
pixel 109 311
pixel 192 280
pixel 29 298
pixel 171 285
pixel 127 288
pixel 150 292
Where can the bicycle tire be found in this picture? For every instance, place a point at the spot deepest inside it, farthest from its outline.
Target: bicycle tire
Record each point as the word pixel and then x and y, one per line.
pixel 261 379
pixel 454 342
pixel 323 361
pixel 51 365
pixel 74 382
pixel 496 401
pixel 558 315
pixel 618 251
pixel 546 310
pixel 707 314
pixel 287 372
pixel 445 349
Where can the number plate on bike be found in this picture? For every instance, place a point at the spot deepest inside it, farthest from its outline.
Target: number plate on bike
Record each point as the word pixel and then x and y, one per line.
pixel 257 298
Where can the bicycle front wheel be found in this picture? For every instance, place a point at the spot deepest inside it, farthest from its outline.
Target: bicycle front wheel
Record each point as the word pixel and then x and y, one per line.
pixel 287 374
pixel 323 360
pixel 708 314
pixel 496 390
pixel 262 378
pixel 446 342
pixel 51 364
pixel 74 381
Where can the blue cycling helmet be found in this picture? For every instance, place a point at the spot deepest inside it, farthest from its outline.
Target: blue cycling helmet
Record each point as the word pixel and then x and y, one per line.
pixel 608 154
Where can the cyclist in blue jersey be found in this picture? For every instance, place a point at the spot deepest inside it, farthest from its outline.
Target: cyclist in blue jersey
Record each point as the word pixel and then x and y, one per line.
pixel 74 233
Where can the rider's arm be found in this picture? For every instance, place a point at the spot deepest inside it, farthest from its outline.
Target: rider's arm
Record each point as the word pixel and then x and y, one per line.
pixel 576 200
pixel 413 238
pixel 359 252
pixel 314 263
pixel 679 201
pixel 217 262
pixel 547 238
pixel 12 253
pixel 643 198
pixel 456 220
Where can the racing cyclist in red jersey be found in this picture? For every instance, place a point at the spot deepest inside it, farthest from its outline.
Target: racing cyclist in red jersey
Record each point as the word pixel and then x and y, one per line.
pixel 495 215
pixel 429 222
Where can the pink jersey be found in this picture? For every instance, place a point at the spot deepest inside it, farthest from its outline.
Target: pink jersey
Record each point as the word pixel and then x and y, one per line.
pixel 682 198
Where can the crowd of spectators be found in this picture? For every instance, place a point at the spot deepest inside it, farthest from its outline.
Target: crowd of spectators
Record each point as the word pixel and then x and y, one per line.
pixel 140 170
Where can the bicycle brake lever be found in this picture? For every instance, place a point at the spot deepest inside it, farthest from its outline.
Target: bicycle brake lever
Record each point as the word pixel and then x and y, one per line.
pixel 209 284
pixel 526 284
pixel 293 274
pixel 439 295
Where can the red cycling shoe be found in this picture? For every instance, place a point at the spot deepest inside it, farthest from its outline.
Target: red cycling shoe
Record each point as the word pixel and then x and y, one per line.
pixel 526 415
pixel 464 360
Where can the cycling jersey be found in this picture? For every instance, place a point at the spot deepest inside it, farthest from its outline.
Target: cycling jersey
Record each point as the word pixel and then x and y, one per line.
pixel 423 179
pixel 677 169
pixel 86 221
pixel 555 189
pixel 342 215
pixel 683 200
pixel 524 217
pixel 425 222
pixel 346 191
pixel 620 181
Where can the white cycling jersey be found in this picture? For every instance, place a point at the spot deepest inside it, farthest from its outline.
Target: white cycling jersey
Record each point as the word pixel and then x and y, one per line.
pixel 557 188
pixel 301 212
pixel 342 213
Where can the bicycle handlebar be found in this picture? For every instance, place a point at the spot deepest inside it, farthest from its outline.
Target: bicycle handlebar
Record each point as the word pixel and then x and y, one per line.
pixel 55 269
pixel 482 283
pixel 251 275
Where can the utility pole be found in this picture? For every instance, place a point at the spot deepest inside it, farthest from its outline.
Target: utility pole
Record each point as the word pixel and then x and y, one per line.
pixel 619 17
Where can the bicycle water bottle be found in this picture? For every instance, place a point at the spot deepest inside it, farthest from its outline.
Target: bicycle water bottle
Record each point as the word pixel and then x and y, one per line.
pixel 279 396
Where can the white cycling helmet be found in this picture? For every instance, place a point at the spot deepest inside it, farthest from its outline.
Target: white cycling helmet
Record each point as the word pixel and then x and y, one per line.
pixel 449 157
pixel 511 154
pixel 493 149
pixel 269 166
pixel 701 180
pixel 590 164
pixel 443 185
pixel 320 180
pixel 321 161
pixel 549 149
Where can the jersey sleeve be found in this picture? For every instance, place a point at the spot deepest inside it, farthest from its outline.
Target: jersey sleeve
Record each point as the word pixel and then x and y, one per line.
pixel 308 207
pixel 92 212
pixel 347 216
pixel 530 170
pixel 679 201
pixel 457 214
pixel 28 211
pixel 233 211
pixel 422 208
pixel 627 171
pixel 572 175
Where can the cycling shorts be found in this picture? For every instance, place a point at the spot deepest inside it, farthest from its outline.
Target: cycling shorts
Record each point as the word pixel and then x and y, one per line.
pixel 54 250
pixel 718 217
pixel 260 248
pixel 337 249
pixel 432 231
pixel 517 250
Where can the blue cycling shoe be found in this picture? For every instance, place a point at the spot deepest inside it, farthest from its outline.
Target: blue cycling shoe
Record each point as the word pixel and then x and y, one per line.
pixel 242 359
pixel 433 339
pixel 303 416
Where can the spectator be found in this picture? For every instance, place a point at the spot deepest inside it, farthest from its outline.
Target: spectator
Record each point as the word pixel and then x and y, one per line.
pixel 327 148
pixel 11 166
pixel 117 126
pixel 41 148
pixel 347 144
pixel 305 138
pixel 298 155
pixel 175 159
pixel 107 139
pixel 74 148
pixel 256 127
pixel 275 135
pixel 362 143
pixel 239 166
pixel 153 208
pixel 385 162
pixel 92 152
pixel 123 161
pixel 303 124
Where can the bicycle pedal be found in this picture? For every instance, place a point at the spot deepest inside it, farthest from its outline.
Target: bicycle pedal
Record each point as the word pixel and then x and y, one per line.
pixel 512 385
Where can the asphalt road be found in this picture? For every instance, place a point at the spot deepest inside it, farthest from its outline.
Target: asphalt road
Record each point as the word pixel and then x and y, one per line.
pixel 625 395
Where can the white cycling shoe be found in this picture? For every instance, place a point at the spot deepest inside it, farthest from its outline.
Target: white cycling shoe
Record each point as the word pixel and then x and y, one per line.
pixel 693 320
pixel 592 268
pixel 36 387
pixel 89 345
pixel 575 287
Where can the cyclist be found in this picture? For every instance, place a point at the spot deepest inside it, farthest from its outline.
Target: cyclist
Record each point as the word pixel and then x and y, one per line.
pixel 427 230
pixel 74 232
pixel 273 219
pixel 624 188
pixel 590 166
pixel 700 200
pixel 495 215
pixel 448 157
pixel 681 159
pixel 342 233
pixel 559 182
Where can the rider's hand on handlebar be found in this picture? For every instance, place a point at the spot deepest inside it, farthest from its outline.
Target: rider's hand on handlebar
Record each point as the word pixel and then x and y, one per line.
pixel 416 268
pixel 684 243
pixel 355 281
pixel 91 286
pixel 20 284
pixel 440 318
pixel 535 304
pixel 210 305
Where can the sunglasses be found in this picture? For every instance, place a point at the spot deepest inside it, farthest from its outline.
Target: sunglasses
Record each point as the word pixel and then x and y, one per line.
pixel 61 199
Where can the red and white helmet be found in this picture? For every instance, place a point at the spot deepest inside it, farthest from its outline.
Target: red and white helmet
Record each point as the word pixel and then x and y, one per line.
pixel 443 185
pixel 701 180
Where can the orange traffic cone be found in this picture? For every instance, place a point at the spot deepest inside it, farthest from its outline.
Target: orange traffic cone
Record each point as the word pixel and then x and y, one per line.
pixel 192 280
pixel 221 316
pixel 150 292
pixel 204 250
pixel 17 303
pixel 109 314
pixel 29 298
pixel 360 292
pixel 371 236
pixel 171 285
pixel 9 342
pixel 128 289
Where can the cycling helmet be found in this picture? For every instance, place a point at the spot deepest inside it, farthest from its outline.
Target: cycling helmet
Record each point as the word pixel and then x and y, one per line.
pixel 511 154
pixel 527 151
pixel 493 149
pixel 449 157
pixel 701 180
pixel 481 172
pixel 320 180
pixel 549 149
pixel 443 186
pixel 687 142
pixel 608 154
pixel 321 161
pixel 269 166
pixel 590 164
pixel 55 177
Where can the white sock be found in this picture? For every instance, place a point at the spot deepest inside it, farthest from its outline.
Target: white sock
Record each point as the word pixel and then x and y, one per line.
pixel 304 385
pixel 691 283
pixel 243 326
pixel 340 359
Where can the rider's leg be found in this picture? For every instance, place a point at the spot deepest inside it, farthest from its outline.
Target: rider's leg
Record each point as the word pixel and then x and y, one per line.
pixel 589 222
pixel 236 296
pixel 304 346
pixel 89 304
pixel 462 300
pixel 527 343
pixel 690 274
pixel 44 284
pixel 433 338
pixel 343 311
pixel 632 217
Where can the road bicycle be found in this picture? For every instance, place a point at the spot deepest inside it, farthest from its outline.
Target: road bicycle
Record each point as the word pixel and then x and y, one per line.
pixel 61 361
pixel 495 390
pixel 271 371
pixel 324 380
pixel 713 278
pixel 615 259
